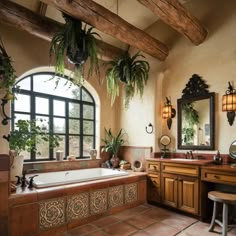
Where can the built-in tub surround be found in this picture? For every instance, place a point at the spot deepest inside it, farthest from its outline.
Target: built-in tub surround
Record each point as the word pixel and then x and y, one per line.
pixel 48 211
pixel 74 176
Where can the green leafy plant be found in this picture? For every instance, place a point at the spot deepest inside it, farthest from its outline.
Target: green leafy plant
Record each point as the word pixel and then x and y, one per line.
pixel 190 118
pixel 77 44
pixel 112 143
pixel 132 72
pixel 7 72
pixel 27 134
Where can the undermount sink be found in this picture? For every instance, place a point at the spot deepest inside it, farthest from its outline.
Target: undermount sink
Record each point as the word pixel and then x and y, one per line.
pixel 183 159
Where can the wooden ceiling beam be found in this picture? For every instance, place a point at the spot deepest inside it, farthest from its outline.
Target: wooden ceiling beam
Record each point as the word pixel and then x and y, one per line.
pixel 21 18
pixel 109 23
pixel 175 15
pixel 42 8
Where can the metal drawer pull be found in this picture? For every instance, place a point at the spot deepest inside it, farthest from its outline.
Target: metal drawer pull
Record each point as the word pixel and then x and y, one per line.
pixel 216 177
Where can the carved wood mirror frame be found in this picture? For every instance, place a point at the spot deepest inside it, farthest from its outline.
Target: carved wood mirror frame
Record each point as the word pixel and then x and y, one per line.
pixel 196 90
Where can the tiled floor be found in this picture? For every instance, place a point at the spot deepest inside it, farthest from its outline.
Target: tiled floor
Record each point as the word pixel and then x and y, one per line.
pixel 145 220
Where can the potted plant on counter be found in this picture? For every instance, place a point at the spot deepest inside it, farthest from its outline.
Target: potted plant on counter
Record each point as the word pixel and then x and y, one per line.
pixel 131 72
pixel 25 137
pixel 112 144
pixel 78 44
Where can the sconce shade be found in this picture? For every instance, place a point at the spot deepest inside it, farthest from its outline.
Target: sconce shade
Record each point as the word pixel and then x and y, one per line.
pixel 167 110
pixel 229 102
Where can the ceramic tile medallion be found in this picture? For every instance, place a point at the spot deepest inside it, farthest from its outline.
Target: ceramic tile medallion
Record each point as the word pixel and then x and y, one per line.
pixel 98 201
pixel 131 192
pixel 77 206
pixel 51 213
pixel 116 196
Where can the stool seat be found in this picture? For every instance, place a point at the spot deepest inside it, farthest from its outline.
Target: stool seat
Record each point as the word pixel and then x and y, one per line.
pixel 226 199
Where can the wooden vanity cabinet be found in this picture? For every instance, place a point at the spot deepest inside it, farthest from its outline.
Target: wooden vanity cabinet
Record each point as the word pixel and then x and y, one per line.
pixel 180 186
pixel 153 182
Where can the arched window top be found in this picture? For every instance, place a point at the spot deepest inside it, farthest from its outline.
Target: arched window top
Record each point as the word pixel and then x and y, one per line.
pixel 47 83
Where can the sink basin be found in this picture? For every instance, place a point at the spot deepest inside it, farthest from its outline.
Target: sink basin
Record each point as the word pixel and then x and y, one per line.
pixel 183 159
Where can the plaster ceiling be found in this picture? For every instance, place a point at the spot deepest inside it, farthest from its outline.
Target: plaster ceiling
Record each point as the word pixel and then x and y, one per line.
pixel 131 11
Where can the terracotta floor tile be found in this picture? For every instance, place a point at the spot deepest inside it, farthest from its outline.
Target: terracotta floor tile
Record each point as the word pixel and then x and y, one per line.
pixel 141 233
pixel 140 221
pixel 82 230
pixel 179 222
pixel 105 221
pixel 120 229
pixel 162 230
pixel 130 212
pixel 97 233
pixel 157 214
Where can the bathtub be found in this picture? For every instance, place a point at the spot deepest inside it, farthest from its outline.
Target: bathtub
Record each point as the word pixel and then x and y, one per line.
pixel 50 179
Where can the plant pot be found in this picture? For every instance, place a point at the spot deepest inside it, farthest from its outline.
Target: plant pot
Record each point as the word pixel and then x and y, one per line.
pixel 16 167
pixel 77 57
pixel 115 161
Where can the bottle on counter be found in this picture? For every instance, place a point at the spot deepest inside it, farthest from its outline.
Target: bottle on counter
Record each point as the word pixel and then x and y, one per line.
pixel 217 158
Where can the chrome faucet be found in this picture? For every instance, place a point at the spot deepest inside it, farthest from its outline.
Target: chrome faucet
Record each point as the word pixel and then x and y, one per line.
pixel 191 155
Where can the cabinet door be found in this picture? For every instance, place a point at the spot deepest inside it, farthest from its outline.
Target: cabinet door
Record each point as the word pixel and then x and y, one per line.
pixel 188 194
pixel 153 190
pixel 169 189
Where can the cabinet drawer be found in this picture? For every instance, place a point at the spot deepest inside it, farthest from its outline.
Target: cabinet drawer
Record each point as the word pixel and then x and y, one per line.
pixel 180 169
pixel 153 166
pixel 154 179
pixel 218 177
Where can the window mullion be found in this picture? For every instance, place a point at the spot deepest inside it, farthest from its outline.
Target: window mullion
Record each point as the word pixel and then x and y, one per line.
pixel 51 131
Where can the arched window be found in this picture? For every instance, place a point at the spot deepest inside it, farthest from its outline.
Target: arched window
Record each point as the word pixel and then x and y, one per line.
pixel 68 111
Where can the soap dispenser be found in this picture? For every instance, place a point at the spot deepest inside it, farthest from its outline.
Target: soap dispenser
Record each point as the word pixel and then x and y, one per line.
pixel 217 158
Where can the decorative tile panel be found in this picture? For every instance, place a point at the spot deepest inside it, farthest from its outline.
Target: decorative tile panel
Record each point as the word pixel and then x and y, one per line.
pixel 131 192
pixel 51 213
pixel 116 196
pixel 98 201
pixel 77 206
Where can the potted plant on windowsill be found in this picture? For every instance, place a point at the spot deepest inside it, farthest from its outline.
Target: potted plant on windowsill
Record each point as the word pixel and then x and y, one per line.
pixel 7 72
pixel 131 72
pixel 112 145
pixel 25 137
pixel 78 44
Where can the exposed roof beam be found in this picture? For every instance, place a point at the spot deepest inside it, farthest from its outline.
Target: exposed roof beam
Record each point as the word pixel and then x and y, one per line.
pixel 109 23
pixel 175 15
pixel 42 8
pixel 42 27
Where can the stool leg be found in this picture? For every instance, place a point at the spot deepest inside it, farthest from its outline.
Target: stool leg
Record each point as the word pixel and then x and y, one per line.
pixel 225 220
pixel 212 226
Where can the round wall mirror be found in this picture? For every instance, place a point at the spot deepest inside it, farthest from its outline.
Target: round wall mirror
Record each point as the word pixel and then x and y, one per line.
pixel 165 140
pixel 232 150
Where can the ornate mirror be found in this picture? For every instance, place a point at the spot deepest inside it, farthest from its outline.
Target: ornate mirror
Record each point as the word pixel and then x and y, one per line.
pixel 232 150
pixel 196 116
pixel 164 141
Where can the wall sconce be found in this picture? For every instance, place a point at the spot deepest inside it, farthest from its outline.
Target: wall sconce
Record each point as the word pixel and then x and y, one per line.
pixel 149 128
pixel 229 103
pixel 168 112
pixel 5 116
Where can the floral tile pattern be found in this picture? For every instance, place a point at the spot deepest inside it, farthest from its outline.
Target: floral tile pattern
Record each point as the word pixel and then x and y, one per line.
pixel 131 193
pixel 51 213
pixel 116 196
pixel 77 206
pixel 98 201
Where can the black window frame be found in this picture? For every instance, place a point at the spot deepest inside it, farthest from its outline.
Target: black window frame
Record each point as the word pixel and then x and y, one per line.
pixel 32 113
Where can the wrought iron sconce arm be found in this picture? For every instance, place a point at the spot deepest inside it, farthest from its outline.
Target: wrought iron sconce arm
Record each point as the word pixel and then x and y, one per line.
pixel 5 116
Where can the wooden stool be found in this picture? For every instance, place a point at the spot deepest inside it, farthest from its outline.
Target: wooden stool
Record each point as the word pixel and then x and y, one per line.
pixel 226 199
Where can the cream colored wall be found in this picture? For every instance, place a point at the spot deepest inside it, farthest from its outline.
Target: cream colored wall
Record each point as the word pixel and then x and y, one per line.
pixel 30 52
pixel 214 60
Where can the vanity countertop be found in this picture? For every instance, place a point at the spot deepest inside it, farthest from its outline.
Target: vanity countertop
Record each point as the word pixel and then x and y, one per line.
pixel 183 161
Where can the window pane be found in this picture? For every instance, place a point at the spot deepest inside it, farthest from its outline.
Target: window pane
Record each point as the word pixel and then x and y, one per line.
pixel 46 83
pixel 21 117
pixel 86 97
pixel 22 103
pixel 87 145
pixel 42 149
pixel 74 110
pixel 58 108
pixel 41 105
pixel 59 125
pixel 26 155
pixel 74 145
pixel 61 147
pixel 74 126
pixel 88 112
pixel 24 83
pixel 88 127
pixel 42 122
